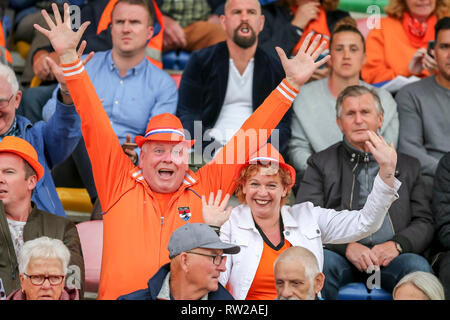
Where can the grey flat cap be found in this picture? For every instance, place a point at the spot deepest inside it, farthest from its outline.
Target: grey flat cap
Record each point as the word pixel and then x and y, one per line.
pixel 197 235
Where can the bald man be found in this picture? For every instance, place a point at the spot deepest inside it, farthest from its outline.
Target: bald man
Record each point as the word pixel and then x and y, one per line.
pixel 297 275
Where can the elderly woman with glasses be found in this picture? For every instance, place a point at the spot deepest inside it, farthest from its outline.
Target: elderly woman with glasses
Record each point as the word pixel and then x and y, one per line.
pixel 264 228
pixel 43 264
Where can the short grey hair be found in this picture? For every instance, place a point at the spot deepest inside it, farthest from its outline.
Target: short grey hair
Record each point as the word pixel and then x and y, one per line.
pixel 357 91
pixel 44 248
pixel 10 76
pixel 428 283
pixel 303 256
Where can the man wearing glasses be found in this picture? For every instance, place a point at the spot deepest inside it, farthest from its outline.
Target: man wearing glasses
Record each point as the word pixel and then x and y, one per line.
pixel 54 140
pixel 196 261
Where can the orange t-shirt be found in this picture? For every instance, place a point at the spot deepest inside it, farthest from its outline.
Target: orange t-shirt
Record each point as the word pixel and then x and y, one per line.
pixel 163 200
pixel 263 285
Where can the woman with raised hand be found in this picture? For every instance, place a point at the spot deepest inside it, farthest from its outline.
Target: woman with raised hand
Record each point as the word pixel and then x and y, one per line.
pixel 263 227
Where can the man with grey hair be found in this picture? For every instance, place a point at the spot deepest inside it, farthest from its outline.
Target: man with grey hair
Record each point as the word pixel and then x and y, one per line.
pixel 419 286
pixel 341 177
pixel 54 140
pixel 197 259
pixel 43 266
pixel 297 275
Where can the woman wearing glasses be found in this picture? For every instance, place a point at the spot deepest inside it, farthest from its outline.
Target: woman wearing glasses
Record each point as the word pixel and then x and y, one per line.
pixel 43 264
pixel 263 227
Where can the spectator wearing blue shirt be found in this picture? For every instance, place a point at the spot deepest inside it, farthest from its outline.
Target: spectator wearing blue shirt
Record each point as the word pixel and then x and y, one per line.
pixel 133 89
pixel 54 140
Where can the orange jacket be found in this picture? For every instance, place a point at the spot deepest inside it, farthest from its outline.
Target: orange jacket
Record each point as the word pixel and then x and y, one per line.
pixel 154 46
pixel 136 233
pixel 4 53
pixel 389 52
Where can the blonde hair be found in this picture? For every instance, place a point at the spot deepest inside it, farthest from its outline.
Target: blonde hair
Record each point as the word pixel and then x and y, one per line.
pixel 397 8
pixel 252 169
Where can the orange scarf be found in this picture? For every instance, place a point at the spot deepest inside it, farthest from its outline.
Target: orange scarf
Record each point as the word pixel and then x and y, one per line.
pixel 419 33
pixel 319 26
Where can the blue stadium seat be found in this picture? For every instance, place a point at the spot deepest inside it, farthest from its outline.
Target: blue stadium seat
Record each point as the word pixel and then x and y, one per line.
pixel 175 60
pixel 359 291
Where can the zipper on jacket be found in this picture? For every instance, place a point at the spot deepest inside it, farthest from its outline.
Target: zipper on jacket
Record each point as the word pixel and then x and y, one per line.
pixel 366 161
pixel 162 220
pixel 353 182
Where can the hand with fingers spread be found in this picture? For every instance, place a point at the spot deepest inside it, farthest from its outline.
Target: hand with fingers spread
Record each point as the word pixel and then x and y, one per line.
pixel 385 155
pixel 215 212
pixel 63 39
pixel 57 72
pixel 301 67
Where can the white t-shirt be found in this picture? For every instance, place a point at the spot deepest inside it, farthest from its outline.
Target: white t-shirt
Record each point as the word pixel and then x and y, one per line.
pixel 237 106
pixel 16 230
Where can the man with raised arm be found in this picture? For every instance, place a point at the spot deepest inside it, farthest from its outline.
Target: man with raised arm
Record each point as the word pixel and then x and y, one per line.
pixel 143 205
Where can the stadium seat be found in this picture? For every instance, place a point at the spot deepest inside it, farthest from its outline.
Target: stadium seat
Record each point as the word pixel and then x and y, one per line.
pixel 75 199
pixel 175 60
pixel 358 291
pixel 91 237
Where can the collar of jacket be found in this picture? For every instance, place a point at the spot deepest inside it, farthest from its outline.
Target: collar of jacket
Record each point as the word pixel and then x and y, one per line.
pixel 67 294
pixel 356 155
pixel 246 220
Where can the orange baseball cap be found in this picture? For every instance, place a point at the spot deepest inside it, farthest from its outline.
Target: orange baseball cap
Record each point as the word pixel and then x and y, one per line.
pixel 23 149
pixel 164 127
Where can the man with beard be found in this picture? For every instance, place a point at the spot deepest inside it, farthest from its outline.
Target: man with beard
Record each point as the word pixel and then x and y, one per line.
pixel 222 85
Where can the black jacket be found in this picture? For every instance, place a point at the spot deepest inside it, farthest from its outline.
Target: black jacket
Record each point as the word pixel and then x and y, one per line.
pixel 39 224
pixel 155 284
pixel 329 182
pixel 441 201
pixel 204 85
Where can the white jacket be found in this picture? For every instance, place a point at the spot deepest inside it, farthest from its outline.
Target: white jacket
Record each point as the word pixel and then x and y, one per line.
pixel 304 225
